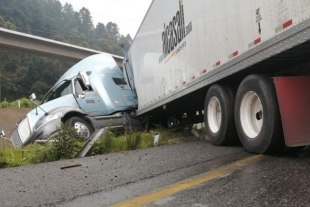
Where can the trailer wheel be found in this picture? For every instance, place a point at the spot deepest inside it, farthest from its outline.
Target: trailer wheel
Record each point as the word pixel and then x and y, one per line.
pixel 172 122
pixel 83 129
pixel 219 115
pixel 257 115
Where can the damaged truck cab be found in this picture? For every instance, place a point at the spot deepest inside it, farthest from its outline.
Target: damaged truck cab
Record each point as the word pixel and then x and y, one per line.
pixel 90 95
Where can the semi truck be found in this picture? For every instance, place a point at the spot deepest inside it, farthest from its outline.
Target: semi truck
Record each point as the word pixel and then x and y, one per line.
pixel 90 95
pixel 242 67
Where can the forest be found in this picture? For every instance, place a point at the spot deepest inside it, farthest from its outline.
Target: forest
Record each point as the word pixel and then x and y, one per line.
pixel 22 74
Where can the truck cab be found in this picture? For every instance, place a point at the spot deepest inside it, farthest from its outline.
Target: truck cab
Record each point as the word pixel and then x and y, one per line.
pixel 90 95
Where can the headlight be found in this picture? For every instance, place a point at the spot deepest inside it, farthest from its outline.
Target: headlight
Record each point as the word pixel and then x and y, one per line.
pixel 48 118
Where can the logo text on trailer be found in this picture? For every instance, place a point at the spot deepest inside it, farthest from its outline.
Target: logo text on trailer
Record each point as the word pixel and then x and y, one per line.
pixel 174 33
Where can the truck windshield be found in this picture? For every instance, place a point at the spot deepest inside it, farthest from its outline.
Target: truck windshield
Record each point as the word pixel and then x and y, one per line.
pixel 62 89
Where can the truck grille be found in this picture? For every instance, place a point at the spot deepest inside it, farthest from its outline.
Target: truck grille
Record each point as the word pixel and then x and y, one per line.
pixel 16 139
pixel 24 129
pixel 21 134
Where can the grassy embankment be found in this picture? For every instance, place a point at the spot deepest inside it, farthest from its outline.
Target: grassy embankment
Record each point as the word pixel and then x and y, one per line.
pixel 67 145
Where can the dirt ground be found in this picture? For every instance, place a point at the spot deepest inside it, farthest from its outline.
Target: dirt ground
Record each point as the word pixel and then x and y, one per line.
pixel 9 117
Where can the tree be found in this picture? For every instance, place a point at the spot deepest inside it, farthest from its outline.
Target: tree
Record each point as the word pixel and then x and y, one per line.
pixel 68 20
pixel 40 88
pixel 22 74
pixel 77 39
pixel 59 38
pixel 52 17
pixel 129 39
pixel 113 29
pixel 7 25
pixel 2 22
pixel 125 41
pixel 100 30
pixel 3 61
pixel 86 26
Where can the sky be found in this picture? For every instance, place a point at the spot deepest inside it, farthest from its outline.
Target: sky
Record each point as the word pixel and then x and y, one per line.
pixel 127 14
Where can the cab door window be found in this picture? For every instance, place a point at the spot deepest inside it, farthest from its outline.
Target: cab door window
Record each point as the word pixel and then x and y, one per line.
pixel 79 87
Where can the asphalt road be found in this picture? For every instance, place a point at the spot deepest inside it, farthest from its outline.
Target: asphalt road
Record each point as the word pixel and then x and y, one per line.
pixel 272 181
pixel 105 180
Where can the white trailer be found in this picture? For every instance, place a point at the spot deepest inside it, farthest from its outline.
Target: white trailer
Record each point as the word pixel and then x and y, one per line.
pixel 243 64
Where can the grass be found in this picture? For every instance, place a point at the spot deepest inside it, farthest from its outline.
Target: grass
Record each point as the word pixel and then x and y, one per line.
pixel 20 157
pixel 66 145
pixel 23 103
pixel 133 140
pixel 129 141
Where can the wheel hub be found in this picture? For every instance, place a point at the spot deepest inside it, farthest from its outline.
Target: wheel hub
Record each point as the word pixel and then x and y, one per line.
pixel 172 122
pixel 214 114
pixel 251 114
pixel 82 130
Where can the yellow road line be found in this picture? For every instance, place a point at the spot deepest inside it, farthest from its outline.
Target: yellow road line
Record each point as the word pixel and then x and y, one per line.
pixel 192 182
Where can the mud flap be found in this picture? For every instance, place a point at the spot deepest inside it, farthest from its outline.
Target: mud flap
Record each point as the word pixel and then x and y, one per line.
pixel 294 103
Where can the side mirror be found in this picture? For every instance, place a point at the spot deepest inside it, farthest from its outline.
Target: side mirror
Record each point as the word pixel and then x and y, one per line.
pixel 2 133
pixel 32 97
pixel 85 79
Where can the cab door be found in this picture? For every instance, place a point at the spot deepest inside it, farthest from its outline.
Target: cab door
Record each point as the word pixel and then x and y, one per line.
pixel 88 99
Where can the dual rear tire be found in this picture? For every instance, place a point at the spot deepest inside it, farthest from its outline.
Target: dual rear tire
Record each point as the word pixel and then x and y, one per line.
pixel 253 112
pixel 219 115
pixel 257 115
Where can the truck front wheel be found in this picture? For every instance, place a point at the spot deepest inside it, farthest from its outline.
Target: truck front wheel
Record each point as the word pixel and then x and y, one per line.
pixel 83 129
pixel 257 115
pixel 219 115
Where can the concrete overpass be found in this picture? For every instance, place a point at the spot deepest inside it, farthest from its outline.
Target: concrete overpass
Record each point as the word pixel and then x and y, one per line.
pixel 18 41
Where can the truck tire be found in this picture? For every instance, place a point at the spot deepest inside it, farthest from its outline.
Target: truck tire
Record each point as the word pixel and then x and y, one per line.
pixel 172 122
pixel 257 115
pixel 219 115
pixel 83 129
